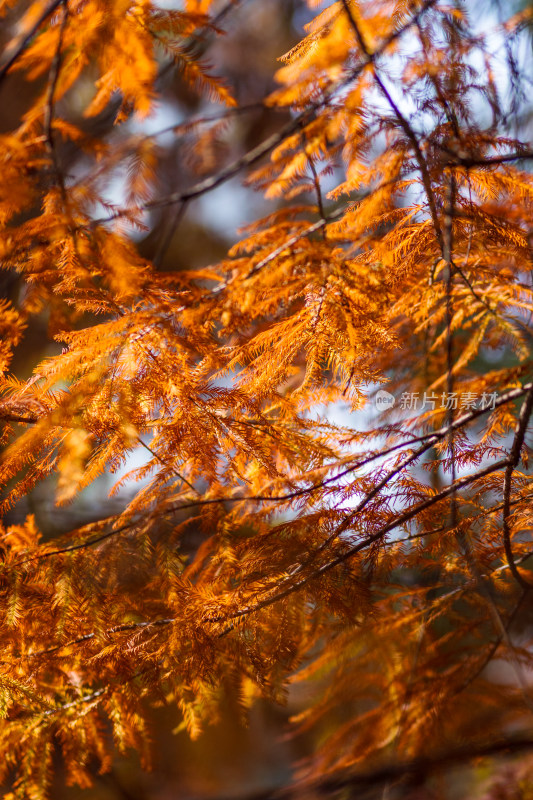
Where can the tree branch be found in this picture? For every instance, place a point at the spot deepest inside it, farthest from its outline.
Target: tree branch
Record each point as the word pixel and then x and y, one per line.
pixel 514 458
pixel 254 155
pixel 23 44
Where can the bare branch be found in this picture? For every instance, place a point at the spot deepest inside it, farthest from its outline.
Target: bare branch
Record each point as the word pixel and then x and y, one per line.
pixel 514 458
pixel 23 44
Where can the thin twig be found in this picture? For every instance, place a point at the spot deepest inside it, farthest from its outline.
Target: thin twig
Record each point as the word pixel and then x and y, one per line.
pixel 23 44
pixel 365 543
pixel 487 658
pixel 164 621
pixel 254 155
pixel 168 235
pixel 485 586
pixel 166 464
pixel 48 120
pixel 316 226
pixel 430 439
pixel 514 458
pixel 404 124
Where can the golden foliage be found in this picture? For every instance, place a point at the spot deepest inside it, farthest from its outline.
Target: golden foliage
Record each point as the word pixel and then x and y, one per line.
pixel 384 566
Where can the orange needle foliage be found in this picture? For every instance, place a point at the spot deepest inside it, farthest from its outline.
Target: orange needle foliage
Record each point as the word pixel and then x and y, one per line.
pixel 390 564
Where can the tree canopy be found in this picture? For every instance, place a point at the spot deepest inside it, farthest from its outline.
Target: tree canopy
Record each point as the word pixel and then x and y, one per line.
pixel 322 427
